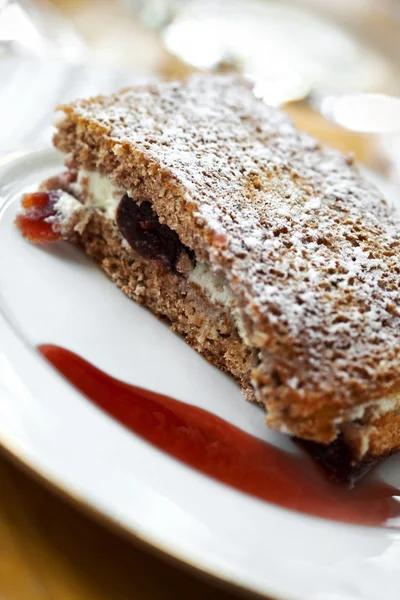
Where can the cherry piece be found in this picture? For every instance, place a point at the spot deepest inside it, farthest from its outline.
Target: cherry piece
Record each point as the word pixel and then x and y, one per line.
pixel 143 231
pixel 32 220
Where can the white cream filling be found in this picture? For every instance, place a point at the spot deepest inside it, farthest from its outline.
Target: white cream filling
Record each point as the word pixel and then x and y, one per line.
pixel 380 408
pixel 98 191
pixel 218 292
pixel 66 205
pixel 69 214
pixel 215 288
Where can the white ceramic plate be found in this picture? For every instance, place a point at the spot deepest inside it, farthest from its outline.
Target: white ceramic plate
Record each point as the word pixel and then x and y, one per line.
pixel 56 295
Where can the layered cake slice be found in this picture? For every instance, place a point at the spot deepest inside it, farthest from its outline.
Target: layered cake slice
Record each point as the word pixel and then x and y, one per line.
pixel 271 254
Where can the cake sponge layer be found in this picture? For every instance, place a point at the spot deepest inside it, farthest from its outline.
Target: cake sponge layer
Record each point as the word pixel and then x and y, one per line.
pixel 308 248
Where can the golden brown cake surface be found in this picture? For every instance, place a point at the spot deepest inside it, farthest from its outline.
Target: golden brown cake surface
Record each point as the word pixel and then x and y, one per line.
pixel 308 247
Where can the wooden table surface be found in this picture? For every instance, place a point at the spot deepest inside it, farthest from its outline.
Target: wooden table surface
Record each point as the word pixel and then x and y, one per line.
pixel 51 550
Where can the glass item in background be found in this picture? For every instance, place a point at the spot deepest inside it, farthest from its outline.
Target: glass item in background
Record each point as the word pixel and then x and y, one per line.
pixel 44 61
pixel 38 29
pixel 288 48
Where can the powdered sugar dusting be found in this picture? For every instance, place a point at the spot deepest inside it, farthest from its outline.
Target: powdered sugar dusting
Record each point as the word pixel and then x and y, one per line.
pixel 311 250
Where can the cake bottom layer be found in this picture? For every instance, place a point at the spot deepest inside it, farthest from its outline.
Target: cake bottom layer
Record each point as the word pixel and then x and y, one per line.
pixel 207 327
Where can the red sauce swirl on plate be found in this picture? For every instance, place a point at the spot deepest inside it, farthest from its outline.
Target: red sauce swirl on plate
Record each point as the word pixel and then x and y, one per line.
pixel 226 453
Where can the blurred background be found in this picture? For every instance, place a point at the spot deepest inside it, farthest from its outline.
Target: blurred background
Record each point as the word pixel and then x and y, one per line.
pixel 301 54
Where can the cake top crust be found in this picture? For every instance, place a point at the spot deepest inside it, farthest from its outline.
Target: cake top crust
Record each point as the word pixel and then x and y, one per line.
pixel 310 248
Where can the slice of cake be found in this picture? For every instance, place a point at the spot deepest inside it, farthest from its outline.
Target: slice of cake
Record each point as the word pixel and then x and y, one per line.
pixel 272 255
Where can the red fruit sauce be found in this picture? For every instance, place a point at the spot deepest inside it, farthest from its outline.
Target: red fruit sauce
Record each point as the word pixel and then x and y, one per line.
pixel 226 453
pixel 32 220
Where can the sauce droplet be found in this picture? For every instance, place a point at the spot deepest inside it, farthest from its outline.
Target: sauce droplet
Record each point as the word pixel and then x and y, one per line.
pixel 33 222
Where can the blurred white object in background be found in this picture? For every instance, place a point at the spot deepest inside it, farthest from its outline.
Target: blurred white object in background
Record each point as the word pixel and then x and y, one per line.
pixel 44 62
pixel 286 47
pixel 365 113
pixel 31 89
pixel 37 28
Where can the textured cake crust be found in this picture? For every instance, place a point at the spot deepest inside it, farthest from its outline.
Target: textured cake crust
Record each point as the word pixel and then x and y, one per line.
pixel 309 248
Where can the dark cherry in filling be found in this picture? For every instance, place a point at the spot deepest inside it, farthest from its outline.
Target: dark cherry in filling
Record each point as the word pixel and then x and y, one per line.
pixel 337 460
pixel 141 228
